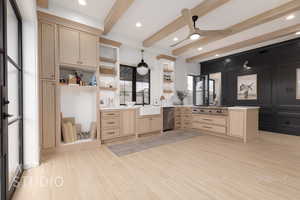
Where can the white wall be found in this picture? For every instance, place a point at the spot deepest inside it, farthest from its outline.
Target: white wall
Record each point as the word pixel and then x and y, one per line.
pixel 132 56
pixel 31 128
pixel 182 69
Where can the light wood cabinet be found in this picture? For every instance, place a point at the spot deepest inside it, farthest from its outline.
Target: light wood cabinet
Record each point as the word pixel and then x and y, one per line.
pixel 143 125
pixel 149 124
pixel 243 123
pixel 47 50
pixel 69 46
pixel 77 48
pixel 128 119
pixel 88 49
pixel 155 124
pixel 236 123
pixel 48 114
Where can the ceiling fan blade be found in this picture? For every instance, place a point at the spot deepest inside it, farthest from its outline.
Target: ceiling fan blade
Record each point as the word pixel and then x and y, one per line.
pixel 173 45
pixel 212 32
pixel 186 13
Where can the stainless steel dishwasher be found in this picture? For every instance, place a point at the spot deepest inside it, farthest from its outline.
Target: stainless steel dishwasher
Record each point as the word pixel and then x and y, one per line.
pixel 168 118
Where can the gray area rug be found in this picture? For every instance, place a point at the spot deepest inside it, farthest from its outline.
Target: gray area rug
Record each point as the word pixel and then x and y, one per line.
pixel 147 143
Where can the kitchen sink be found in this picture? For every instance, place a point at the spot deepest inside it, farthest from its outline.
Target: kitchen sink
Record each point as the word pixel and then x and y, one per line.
pixel 150 110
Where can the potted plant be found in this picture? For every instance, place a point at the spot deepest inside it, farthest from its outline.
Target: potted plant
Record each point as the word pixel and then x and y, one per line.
pixel 181 95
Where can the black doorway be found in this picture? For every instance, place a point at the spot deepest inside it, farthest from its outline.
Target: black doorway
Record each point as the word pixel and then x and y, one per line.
pixel 11 100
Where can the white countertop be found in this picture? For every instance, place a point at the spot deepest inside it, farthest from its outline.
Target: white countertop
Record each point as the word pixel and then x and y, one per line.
pixel 243 107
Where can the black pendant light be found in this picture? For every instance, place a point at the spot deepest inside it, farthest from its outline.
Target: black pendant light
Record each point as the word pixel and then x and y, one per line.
pixel 142 67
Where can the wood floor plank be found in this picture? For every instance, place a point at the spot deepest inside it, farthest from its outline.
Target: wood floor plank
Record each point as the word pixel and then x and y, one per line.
pixel 204 167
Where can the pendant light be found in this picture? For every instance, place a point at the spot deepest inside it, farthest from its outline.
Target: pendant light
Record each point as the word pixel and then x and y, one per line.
pixel 142 67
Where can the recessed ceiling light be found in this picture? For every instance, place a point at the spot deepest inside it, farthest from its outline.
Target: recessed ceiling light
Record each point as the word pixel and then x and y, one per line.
pixel 290 17
pixel 82 2
pixel 175 39
pixel 200 49
pixel 298 33
pixel 217 55
pixel 138 24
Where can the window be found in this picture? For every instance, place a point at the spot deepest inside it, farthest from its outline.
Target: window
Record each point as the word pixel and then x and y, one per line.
pixel 133 86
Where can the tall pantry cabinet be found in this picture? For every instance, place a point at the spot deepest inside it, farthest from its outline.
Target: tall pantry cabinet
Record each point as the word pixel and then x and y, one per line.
pixel 61 42
pixel 47 82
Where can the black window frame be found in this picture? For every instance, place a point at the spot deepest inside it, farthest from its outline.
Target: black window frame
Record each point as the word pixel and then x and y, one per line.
pixel 6 191
pixel 134 81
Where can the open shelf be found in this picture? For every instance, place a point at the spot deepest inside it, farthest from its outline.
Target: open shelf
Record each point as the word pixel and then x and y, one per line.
pixel 168 70
pixel 108 60
pixel 107 72
pixel 168 91
pixel 79 141
pixel 108 89
pixel 168 81
pixel 78 87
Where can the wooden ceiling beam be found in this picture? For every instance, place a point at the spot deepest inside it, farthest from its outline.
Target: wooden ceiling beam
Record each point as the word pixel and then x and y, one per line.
pixel 202 9
pixel 115 13
pixel 254 41
pixel 166 57
pixel 109 42
pixel 42 3
pixel 247 24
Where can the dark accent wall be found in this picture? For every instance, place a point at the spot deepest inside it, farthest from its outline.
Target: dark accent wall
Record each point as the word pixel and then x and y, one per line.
pixel 275 66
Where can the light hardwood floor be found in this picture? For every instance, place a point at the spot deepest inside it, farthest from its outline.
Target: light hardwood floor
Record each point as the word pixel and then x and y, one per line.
pixel 201 168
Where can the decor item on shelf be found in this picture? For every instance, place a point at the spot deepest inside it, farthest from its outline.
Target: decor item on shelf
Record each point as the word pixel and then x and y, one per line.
pixel 181 95
pixel 298 84
pixel 69 129
pixel 142 67
pixel 93 130
pixel 247 87
pixel 93 81
pixel 72 79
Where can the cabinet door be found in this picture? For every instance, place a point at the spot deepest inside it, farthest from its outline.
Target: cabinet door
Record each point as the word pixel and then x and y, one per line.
pixel 47 50
pixel 48 114
pixel 143 125
pixel 236 123
pixel 128 122
pixel 88 49
pixel 69 46
pixel 155 124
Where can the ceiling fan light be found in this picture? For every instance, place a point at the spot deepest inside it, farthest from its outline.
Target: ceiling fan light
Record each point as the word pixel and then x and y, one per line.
pixel 195 36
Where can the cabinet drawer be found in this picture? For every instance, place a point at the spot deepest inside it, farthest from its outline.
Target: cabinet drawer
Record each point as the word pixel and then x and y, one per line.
pixel 211 128
pixel 186 110
pixel 107 114
pixel 110 133
pixel 207 119
pixel 113 122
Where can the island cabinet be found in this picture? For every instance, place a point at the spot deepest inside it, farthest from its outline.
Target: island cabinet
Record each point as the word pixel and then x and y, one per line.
pixel 212 123
pixel 243 123
pixel 77 47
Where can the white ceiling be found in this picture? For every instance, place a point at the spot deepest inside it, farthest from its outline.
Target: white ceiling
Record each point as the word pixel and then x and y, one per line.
pixel 155 14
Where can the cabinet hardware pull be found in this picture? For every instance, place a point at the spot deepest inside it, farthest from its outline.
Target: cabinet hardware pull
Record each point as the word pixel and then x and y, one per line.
pixel 111 122
pixel 110 133
pixel 207 127
pixel 207 119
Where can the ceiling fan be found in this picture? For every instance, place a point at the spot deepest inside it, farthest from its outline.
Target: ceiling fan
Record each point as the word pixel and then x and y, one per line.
pixel 195 32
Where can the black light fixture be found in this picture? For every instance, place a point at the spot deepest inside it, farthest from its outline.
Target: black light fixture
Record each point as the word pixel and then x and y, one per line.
pixel 142 67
